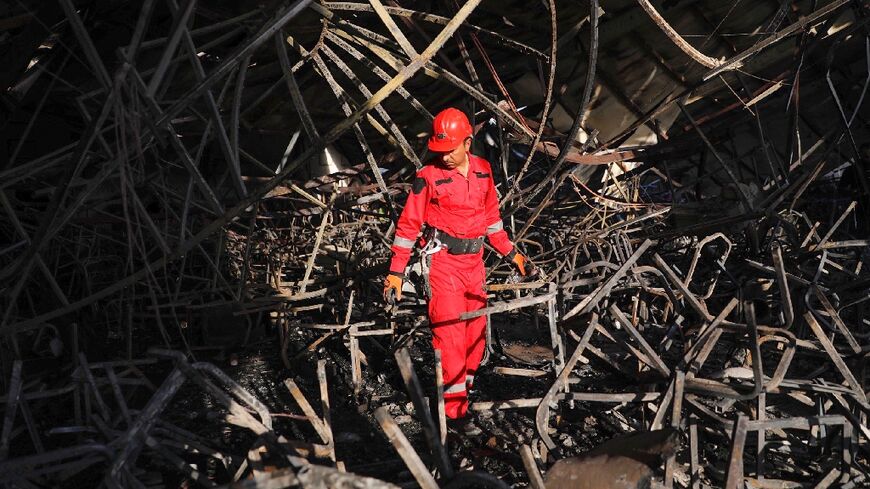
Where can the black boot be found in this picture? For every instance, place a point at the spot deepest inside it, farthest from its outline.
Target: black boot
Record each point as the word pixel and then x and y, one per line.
pixel 464 426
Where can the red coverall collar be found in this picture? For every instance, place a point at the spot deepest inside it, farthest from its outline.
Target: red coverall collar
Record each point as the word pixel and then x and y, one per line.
pixel 473 165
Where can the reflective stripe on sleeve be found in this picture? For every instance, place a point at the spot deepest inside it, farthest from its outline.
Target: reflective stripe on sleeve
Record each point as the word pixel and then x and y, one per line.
pixel 454 389
pixel 494 227
pixel 403 242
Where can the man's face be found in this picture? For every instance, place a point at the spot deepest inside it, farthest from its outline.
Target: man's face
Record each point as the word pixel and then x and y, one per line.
pixel 457 157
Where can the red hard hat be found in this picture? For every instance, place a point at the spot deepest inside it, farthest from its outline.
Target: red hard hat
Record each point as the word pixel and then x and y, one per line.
pixel 449 130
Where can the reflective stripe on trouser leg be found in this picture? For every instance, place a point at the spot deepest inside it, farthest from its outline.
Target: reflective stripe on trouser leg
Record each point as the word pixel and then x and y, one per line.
pixel 475 330
pixel 452 368
pixel 457 283
pixel 456 407
pixel 448 335
pixel 455 400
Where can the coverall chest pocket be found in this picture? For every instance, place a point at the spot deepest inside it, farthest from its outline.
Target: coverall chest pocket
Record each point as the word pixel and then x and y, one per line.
pixel 445 196
pixel 478 196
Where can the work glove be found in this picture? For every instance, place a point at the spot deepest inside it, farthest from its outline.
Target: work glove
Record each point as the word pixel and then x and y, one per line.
pixel 393 287
pixel 519 261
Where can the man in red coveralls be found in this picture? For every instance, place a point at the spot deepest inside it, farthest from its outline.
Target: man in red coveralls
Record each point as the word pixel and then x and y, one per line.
pixel 455 196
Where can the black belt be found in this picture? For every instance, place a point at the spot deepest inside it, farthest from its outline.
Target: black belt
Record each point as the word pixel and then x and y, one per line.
pixel 459 246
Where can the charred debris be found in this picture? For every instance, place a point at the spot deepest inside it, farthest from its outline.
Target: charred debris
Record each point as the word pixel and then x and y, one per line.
pixel 197 200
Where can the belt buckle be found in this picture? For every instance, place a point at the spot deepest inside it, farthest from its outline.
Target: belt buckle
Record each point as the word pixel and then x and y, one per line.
pixel 433 246
pixel 470 246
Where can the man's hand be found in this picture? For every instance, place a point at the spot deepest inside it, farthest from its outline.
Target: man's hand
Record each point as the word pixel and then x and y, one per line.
pixel 393 284
pixel 519 261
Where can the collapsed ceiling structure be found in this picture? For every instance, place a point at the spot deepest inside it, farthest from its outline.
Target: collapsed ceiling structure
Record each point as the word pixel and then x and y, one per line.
pixel 184 179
